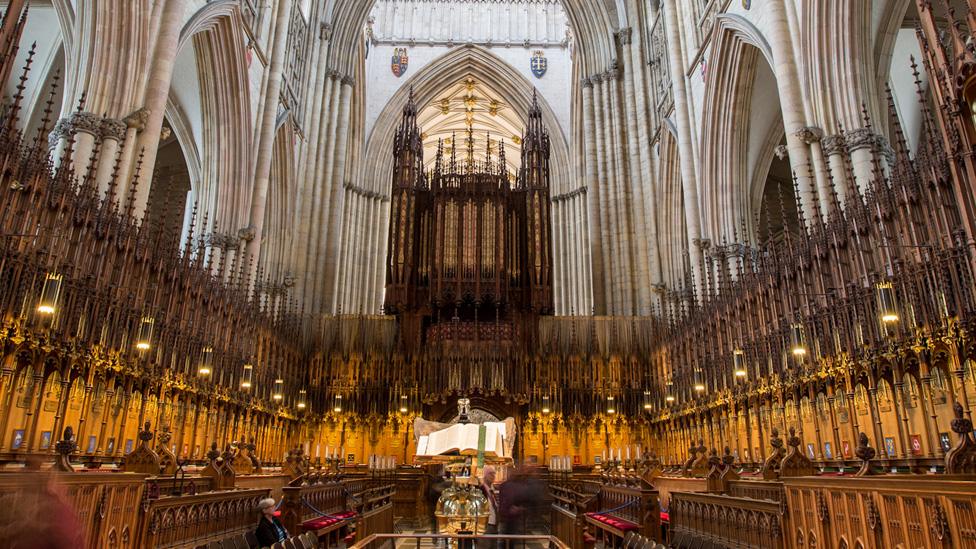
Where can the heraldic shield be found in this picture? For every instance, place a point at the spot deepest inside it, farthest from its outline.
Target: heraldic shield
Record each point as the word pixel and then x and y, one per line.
pixel 539 64
pixel 399 62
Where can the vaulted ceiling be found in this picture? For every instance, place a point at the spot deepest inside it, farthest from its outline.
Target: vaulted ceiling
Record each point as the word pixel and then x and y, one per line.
pixel 470 105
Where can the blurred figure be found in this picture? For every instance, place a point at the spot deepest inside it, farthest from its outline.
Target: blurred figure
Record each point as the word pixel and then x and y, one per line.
pixel 438 482
pixel 487 487
pixel 39 516
pixel 518 497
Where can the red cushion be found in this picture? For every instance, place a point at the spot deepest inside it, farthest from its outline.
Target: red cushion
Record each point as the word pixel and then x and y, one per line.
pixel 614 522
pixel 323 522
pixel 665 517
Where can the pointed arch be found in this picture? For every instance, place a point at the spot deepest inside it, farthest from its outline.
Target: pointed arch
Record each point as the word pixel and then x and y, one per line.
pixel 226 117
pixel 740 70
pixel 443 72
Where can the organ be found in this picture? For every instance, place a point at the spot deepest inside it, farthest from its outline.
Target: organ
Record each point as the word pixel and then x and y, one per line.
pixel 470 254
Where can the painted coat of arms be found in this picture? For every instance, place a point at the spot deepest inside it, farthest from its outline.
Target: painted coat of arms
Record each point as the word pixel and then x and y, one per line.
pixel 399 62
pixel 539 64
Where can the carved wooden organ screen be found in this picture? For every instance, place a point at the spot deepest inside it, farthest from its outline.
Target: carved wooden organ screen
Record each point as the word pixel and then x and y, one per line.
pixel 468 241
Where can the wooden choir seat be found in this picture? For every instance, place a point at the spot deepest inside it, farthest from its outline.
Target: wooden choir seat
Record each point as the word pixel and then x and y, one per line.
pixel 617 526
pixel 328 523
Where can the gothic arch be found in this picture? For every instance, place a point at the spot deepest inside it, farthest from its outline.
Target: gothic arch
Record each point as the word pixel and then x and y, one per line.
pixel 207 17
pixel 445 71
pixel 733 139
pixel 226 114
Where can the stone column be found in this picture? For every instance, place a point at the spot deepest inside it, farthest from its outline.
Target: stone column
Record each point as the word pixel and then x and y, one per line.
pixel 643 118
pixel 791 103
pixel 601 290
pixel 157 92
pixel 611 242
pixel 641 278
pixel 317 110
pixel 624 205
pixel 265 144
pixel 380 271
pixel 322 196
pixel 683 122
pixel 339 178
pixel 112 134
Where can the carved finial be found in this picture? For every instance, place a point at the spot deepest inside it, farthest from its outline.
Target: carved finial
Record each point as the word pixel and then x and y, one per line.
pixel 960 424
pixel 727 458
pixel 65 447
pixel 164 435
pixel 146 435
pixel 793 440
pixel 866 453
pixel 214 453
pixel 774 440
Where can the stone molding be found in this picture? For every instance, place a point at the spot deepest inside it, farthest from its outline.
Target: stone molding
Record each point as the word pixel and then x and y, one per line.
pixel 581 191
pixel 365 193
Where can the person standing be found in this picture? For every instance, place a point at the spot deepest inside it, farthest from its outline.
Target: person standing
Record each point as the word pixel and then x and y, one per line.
pixel 487 487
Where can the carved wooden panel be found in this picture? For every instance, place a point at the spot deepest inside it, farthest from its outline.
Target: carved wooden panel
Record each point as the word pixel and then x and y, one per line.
pixel 883 511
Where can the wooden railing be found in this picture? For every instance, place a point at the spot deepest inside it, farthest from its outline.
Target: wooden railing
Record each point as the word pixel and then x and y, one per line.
pixel 302 503
pixel 665 485
pixel 570 503
pixel 374 508
pixel 883 511
pixel 157 487
pixel 699 519
pixel 191 521
pixel 107 504
pixel 757 489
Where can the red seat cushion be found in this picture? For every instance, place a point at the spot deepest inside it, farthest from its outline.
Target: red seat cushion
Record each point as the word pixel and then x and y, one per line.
pixel 614 522
pixel 665 517
pixel 324 522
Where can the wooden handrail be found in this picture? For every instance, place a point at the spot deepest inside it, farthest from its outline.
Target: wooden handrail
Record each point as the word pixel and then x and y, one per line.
pixel 725 521
pixel 198 519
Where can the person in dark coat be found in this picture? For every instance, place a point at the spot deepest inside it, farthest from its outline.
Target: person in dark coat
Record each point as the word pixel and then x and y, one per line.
pixel 270 530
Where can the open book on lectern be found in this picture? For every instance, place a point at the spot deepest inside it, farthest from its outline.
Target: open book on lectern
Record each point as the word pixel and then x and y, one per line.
pixel 465 439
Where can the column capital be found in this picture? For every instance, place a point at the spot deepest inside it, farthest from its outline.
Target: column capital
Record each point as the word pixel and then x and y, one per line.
pixel 86 122
pixel 833 144
pixel 112 128
pixel 809 134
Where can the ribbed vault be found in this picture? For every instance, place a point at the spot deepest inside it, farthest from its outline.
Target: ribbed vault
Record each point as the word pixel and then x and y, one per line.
pixel 593 23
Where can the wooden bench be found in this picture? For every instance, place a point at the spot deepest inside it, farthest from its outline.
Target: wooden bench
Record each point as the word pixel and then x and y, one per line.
pixel 323 509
